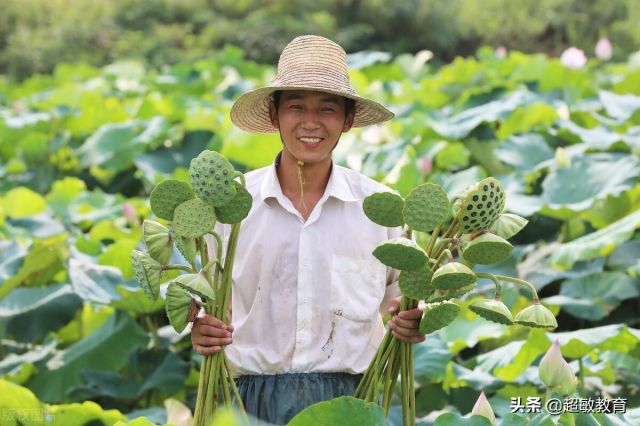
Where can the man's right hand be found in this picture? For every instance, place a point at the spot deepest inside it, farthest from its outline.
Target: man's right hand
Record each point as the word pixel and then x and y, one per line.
pixel 209 334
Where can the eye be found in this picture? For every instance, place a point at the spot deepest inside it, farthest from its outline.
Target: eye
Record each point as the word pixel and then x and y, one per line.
pixel 327 109
pixel 295 107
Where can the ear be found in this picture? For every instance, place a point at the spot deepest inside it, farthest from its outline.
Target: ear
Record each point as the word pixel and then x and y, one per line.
pixel 273 114
pixel 348 121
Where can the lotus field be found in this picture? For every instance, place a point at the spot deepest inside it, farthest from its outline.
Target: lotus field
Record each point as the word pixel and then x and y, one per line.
pixel 518 187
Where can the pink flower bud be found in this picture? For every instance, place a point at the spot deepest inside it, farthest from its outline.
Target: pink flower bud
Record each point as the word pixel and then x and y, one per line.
pixel 555 372
pixel 573 58
pixel 501 52
pixel 425 164
pixel 129 213
pixel 483 408
pixel 603 49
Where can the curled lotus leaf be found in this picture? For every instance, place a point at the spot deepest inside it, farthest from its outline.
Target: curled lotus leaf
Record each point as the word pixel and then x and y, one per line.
pixel 193 218
pixel 483 203
pixel 147 272
pixel 536 316
pixel 452 276
pixel 168 195
pixel 196 284
pixel 416 283
pixel 384 208
pixel 178 306
pixel 426 207
pixel 211 176
pixel 158 241
pixel 236 209
pixel 487 249
pixel 492 310
pixel 438 315
pixel 401 253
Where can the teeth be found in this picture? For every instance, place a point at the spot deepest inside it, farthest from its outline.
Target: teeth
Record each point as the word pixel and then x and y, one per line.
pixel 310 140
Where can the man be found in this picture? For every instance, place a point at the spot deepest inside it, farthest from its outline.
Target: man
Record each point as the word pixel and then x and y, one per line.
pixel 307 292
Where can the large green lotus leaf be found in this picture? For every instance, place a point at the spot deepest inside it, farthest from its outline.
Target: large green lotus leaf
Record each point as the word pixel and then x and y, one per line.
pixel 342 411
pixel 456 183
pixel 454 419
pixel 617 337
pixel 118 255
pixel 430 359
pixel 525 152
pixel 464 333
pixel 41 226
pixel 107 348
pixel 528 118
pixel 588 178
pixel 515 363
pixel 148 370
pixel 81 414
pixel 595 244
pixel 19 368
pixel 453 156
pixel 500 356
pixel 540 419
pixel 619 106
pixel 600 138
pixel 193 218
pixel 384 208
pixel 163 161
pixel 426 207
pixel 476 379
pixel 19 406
pixel 22 202
pixel 594 297
pixel 134 300
pixel 460 125
pixel 95 283
pixel 625 256
pixel 12 256
pixel 33 312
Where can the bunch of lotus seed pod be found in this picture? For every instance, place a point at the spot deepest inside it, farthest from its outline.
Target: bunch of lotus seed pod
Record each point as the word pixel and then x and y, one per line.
pixel 192 211
pixel 442 271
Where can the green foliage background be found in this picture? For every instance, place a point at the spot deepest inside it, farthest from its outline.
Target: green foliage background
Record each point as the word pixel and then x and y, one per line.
pixel 82 146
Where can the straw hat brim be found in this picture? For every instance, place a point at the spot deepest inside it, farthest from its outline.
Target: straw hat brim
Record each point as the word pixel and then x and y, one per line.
pixel 251 111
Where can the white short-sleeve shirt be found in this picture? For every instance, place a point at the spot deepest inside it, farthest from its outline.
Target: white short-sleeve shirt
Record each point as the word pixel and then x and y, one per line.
pixel 306 296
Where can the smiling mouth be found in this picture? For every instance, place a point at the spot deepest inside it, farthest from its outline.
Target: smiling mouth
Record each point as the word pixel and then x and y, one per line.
pixel 310 141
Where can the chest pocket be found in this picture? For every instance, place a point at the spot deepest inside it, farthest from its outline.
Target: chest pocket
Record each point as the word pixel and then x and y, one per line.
pixel 357 287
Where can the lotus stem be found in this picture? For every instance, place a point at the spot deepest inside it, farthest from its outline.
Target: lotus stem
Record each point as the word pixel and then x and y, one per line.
pixel 176 266
pixel 495 281
pixel 432 240
pixel 211 263
pixel 441 243
pixel 445 254
pixel 523 283
pixel 243 181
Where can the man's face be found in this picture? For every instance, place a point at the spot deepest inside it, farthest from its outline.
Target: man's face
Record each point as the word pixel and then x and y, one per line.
pixel 310 123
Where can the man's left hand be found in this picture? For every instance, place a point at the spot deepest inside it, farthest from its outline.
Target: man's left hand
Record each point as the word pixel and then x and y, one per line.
pixel 405 324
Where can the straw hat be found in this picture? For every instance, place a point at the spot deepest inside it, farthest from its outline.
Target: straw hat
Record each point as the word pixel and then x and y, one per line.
pixel 307 63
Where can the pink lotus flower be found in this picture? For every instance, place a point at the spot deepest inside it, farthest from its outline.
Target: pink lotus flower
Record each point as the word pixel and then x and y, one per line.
pixel 425 164
pixel 603 49
pixel 129 213
pixel 483 408
pixel 573 58
pixel 501 52
pixel 555 372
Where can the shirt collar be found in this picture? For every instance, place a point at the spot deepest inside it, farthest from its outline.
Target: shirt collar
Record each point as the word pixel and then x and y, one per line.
pixel 337 187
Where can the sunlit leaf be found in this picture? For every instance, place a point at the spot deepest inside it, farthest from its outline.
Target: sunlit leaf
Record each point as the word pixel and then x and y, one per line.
pixel 345 411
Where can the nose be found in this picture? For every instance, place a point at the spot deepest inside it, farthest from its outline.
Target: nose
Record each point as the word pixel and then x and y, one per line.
pixel 310 120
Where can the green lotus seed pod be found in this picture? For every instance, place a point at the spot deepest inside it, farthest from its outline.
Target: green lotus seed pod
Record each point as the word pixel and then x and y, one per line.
pixel 401 253
pixel 186 246
pixel 507 225
pixel 196 284
pixel 211 176
pixel 453 275
pixel 147 272
pixel 426 207
pixel 483 204
pixel 440 295
pixel 536 316
pixel 487 249
pixel 178 306
pixel 237 209
pixel 193 218
pixel 158 241
pixel 438 315
pixel 168 195
pixel 384 208
pixel 492 310
pixel 416 283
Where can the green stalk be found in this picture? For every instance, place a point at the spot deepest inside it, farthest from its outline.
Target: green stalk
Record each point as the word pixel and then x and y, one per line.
pixel 519 282
pixel 404 384
pixel 177 267
pixel 432 240
pixel 412 393
pixel 581 389
pixel 492 278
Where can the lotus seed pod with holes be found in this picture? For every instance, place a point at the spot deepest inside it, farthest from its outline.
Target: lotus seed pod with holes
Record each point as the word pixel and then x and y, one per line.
pixel 384 208
pixel 440 295
pixel 178 304
pixel 147 272
pixel 487 249
pixel 416 283
pixel 492 310
pixel 426 207
pixel 401 253
pixel 211 176
pixel 168 195
pixel 536 316
pixel 507 225
pixel 438 315
pixel 193 218
pixel 196 284
pixel 453 275
pixel 237 209
pixel 186 246
pixel 482 205
pixel 158 241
